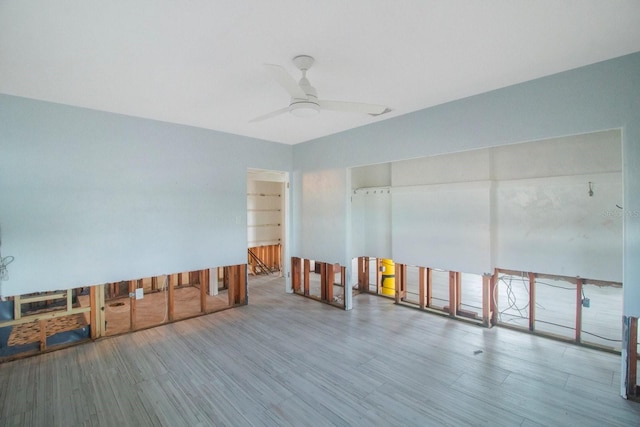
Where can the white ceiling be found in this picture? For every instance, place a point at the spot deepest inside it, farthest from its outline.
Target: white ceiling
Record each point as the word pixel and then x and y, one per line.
pixel 199 62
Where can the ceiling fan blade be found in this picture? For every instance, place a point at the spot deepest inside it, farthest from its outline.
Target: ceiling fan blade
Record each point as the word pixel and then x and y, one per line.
pixel 270 115
pixel 285 80
pixel 354 107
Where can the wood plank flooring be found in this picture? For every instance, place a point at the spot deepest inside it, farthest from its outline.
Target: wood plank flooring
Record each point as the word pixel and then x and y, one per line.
pixel 289 360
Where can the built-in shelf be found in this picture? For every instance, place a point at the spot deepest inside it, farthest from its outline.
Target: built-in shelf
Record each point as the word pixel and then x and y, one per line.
pixel 253 243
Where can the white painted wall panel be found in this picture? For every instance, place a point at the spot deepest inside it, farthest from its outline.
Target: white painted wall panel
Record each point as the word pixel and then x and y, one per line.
pixel 551 225
pixel 371 176
pixel 443 226
pixel 533 191
pixel 473 165
pixel 372 208
pixel 357 225
pixel 324 215
pixel 596 152
pixel 378 224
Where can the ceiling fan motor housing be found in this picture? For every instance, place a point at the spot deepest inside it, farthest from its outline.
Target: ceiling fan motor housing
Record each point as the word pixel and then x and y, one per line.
pixel 305 107
pixel 303 62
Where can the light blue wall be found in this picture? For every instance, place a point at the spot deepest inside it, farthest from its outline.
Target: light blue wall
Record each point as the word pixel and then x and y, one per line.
pixel 90 197
pixel 597 97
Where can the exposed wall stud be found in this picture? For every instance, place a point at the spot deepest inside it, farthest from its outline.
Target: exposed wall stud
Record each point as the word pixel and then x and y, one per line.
pixel 422 287
pixel 307 272
pixel 532 301
pixel 579 283
pixel 453 296
pixel 486 299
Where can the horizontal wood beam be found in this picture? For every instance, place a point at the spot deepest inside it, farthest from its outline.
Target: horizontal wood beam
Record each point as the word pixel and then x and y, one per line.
pixel 570 279
pixel 44 316
pixel 38 298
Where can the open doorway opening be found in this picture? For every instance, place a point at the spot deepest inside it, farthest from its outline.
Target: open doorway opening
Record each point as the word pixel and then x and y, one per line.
pixel 267 213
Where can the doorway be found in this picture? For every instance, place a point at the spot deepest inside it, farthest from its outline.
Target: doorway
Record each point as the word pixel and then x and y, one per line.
pixel 267 219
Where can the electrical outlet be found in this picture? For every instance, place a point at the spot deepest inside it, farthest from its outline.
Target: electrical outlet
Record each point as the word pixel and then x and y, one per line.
pixel 586 302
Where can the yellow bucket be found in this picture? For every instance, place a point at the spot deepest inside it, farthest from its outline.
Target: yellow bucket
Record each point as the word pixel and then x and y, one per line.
pixel 388 270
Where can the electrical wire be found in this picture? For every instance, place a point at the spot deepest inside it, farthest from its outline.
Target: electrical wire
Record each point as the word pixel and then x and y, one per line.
pixel 4 262
pixel 509 281
pixel 601 337
pixel 511 298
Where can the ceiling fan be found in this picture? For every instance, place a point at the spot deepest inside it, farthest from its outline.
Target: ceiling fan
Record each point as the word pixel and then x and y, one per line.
pixel 304 99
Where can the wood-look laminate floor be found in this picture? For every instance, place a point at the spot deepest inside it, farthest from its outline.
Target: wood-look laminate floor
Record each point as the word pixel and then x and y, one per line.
pixel 289 360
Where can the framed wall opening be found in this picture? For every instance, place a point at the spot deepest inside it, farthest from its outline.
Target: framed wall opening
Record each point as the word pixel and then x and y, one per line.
pixel 151 301
pixel 321 281
pixel 45 321
pixel 267 219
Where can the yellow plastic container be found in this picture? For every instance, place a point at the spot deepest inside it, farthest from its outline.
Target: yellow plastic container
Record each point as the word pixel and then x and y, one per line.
pixel 388 270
